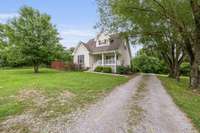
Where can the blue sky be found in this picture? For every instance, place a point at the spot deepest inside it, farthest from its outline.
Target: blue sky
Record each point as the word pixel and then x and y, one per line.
pixel 74 19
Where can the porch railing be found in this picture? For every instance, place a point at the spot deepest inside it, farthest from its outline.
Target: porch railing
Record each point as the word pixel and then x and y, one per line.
pixel 107 62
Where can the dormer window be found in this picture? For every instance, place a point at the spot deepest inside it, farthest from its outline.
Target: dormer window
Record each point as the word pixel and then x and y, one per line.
pixel 102 42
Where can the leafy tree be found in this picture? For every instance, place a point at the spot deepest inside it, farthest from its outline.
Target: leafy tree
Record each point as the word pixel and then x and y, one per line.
pixel 152 31
pixel 3 44
pixel 35 37
pixel 67 55
pixel 193 45
pixel 185 69
pixel 10 55
pixel 64 54
pixel 148 64
pixel 176 21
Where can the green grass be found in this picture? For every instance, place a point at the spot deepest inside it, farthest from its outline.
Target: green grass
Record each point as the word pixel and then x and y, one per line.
pixel 86 87
pixel 185 98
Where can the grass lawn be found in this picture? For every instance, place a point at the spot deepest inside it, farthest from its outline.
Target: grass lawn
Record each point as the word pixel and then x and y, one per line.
pixel 185 98
pixel 59 92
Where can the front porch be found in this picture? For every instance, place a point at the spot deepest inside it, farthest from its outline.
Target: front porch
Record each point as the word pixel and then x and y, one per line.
pixel 106 59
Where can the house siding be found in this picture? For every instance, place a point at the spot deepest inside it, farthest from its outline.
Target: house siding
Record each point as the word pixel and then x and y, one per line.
pixel 90 52
pixel 91 60
pixel 82 50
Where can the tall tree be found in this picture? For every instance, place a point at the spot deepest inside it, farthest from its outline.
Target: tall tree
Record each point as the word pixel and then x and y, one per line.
pixel 152 30
pixel 195 62
pixel 3 44
pixel 174 16
pixel 166 48
pixel 35 36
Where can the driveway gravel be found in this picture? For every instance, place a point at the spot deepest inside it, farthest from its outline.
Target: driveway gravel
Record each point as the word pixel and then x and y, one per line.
pixel 161 115
pixel 112 115
pixel 141 105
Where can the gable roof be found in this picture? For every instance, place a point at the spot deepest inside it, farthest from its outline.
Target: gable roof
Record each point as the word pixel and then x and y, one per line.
pixel 115 42
pixel 80 43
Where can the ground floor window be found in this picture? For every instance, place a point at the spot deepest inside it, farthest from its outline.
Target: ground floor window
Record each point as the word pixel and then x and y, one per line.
pixel 109 59
pixel 81 59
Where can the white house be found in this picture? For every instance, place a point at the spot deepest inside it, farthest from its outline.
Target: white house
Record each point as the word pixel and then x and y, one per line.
pixel 104 50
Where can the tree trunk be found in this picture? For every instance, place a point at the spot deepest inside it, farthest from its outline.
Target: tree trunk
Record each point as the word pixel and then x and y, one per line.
pixel 36 68
pixel 195 73
pixel 177 71
pixel 171 72
pixel 174 72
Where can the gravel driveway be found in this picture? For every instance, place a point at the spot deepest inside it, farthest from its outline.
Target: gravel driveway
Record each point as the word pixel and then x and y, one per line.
pixel 139 106
pixel 161 115
pixel 109 115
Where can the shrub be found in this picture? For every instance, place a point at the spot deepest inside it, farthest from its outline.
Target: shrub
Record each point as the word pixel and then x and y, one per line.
pixel 74 67
pixel 147 64
pixel 107 69
pixel 185 69
pixel 69 66
pixel 123 70
pixel 79 67
pixel 98 69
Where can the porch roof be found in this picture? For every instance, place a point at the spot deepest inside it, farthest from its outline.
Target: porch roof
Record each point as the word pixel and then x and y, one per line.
pixel 105 52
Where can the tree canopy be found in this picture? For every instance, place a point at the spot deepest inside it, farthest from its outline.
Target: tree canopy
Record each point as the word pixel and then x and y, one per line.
pixel 172 26
pixel 33 34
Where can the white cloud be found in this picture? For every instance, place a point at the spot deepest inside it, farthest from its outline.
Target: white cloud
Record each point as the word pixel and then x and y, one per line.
pixel 81 33
pixel 70 37
pixel 135 49
pixel 4 17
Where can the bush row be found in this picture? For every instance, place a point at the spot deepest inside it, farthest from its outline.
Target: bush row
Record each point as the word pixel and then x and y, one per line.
pixel 104 69
pixel 123 70
pixel 120 69
pixel 147 64
pixel 185 69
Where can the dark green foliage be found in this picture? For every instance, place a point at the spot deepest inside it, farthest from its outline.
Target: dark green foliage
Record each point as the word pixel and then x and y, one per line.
pixel 152 23
pixel 147 64
pixel 35 36
pixel 104 69
pixel 185 69
pixel 98 69
pixel 64 54
pixel 107 70
pixel 123 70
pixel 67 56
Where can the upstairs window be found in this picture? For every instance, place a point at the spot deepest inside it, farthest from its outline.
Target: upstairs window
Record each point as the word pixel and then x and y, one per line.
pixel 102 42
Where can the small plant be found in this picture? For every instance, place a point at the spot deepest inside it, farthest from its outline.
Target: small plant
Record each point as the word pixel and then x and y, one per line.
pixel 103 69
pixel 123 70
pixel 185 69
pixel 107 69
pixel 98 69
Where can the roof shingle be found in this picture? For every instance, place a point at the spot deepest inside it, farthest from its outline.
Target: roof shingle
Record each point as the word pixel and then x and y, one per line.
pixel 115 42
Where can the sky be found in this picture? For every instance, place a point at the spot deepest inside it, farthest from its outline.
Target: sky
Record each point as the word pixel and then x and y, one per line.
pixel 74 19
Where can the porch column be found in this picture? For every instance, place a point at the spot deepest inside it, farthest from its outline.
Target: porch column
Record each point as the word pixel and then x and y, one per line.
pixel 102 59
pixel 115 70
